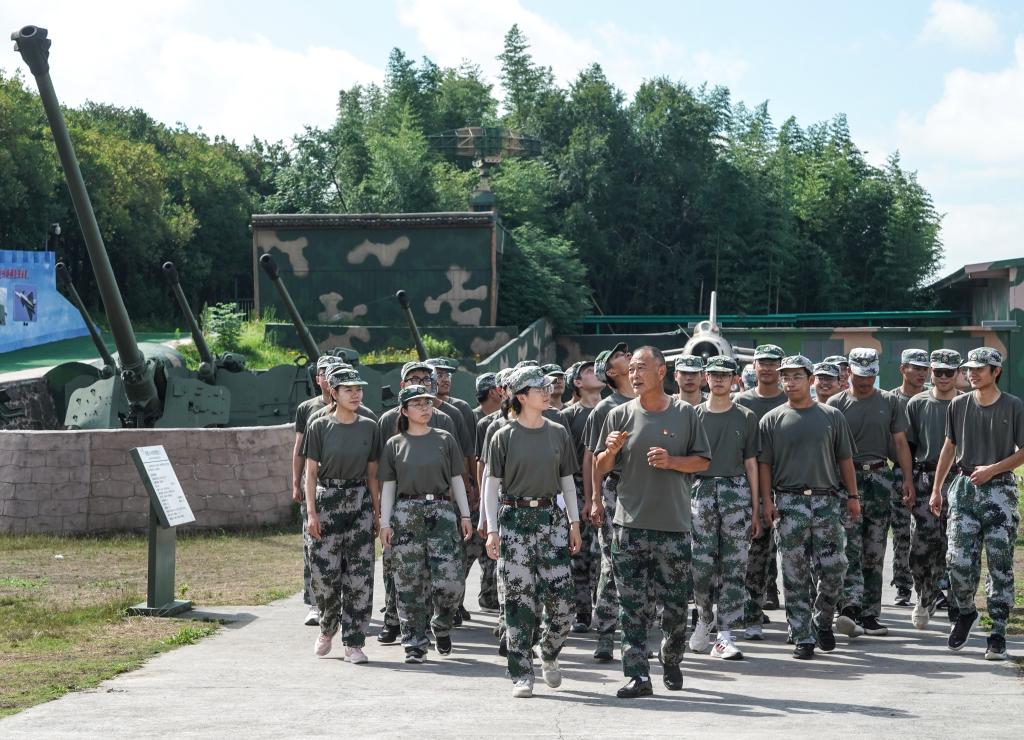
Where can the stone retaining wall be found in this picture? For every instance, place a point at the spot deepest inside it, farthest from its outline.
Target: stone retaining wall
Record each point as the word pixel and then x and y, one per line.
pixel 82 482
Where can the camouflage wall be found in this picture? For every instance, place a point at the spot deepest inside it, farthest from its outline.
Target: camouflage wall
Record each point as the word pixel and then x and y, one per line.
pixel 345 269
pixel 818 343
pixel 536 342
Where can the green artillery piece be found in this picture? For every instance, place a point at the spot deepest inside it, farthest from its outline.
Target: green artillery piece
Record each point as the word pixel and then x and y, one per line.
pixel 403 301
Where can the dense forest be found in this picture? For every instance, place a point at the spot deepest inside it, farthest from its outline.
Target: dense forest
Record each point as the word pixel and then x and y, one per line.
pixel 636 204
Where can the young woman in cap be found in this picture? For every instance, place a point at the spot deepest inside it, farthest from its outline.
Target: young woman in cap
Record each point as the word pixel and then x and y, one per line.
pixel 342 505
pixel 531 459
pixel 418 468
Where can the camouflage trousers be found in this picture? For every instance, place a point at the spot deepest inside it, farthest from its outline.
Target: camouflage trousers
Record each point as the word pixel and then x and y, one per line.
pixel 475 552
pixel 307 575
pixel 647 560
pixel 721 538
pixel 606 599
pixel 341 561
pixel 866 541
pixel 901 521
pixel 387 559
pixel 586 564
pixel 762 574
pixel 928 541
pixel 983 516
pixel 533 565
pixel 812 540
pixel 427 555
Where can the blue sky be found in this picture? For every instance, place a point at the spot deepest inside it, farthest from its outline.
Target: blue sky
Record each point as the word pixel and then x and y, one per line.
pixel 942 81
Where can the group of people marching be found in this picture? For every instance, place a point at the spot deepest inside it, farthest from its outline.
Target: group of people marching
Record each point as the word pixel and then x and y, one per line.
pixel 617 508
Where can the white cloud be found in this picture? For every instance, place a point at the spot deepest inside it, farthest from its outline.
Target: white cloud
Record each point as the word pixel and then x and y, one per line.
pixel 150 55
pixel 978 232
pixel 961 25
pixel 451 30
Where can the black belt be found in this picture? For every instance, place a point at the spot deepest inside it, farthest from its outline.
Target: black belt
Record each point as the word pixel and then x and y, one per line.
pixel 807 491
pixel 867 467
pixel 925 467
pixel 968 471
pixel 529 503
pixel 341 482
pixel 424 496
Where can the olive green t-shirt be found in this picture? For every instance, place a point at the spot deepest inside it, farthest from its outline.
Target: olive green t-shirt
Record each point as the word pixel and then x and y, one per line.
pixel 497 423
pixel 759 404
pixel 872 421
pixel 529 462
pixel 654 498
pixel 421 464
pixel 462 433
pixel 481 432
pixel 592 429
pixel 732 435
pixel 803 446
pixel 927 431
pixel 342 449
pixel 468 418
pixel 984 435
pixel 388 423
pixel 576 415
pixel 327 410
pixel 304 410
pixel 903 398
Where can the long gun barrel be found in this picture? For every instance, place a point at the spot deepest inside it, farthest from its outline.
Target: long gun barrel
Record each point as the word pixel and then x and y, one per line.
pixel 65 279
pixel 171 275
pixel 270 267
pixel 34 46
pixel 403 301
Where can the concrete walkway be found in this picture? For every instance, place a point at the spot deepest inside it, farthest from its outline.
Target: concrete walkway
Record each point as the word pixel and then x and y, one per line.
pixel 258 678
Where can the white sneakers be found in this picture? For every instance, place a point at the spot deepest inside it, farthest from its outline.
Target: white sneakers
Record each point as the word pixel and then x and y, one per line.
pixel 522 687
pixel 701 637
pixel 726 649
pixel 753 632
pixel 356 655
pixel 552 673
pixel 919 617
pixel 323 646
pixel 312 617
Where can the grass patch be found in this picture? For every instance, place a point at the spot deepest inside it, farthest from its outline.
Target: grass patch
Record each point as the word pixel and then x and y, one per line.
pixel 62 619
pixel 434 347
pixel 260 353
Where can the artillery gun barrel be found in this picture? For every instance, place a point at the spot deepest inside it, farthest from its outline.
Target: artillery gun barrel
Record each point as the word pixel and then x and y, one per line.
pixel 171 275
pixel 65 278
pixel 270 267
pixel 34 46
pixel 403 301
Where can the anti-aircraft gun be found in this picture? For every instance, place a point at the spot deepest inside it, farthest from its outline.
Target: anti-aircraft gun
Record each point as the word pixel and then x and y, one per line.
pixel 403 301
pixel 151 388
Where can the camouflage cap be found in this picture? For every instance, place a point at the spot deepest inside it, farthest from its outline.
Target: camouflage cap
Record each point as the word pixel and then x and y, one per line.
pixel 345 376
pixel 720 364
pixel 796 362
pixel 864 362
pixel 576 370
pixel 443 363
pixel 415 365
pixel 827 368
pixel 503 376
pixel 486 382
pixel 946 359
pixel 689 364
pixel 325 360
pixel 915 357
pixel 601 361
pixel 333 366
pixel 413 391
pixel 768 352
pixel 526 363
pixel 837 360
pixel 552 369
pixel 749 376
pixel 527 377
pixel 981 356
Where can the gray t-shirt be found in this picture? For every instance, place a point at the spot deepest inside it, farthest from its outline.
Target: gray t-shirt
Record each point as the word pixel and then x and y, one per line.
pixel 421 464
pixel 654 498
pixel 342 449
pixel 304 410
pixel 732 435
pixel 529 462
pixel 576 415
pixel 481 432
pixel 759 404
pixel 872 421
pixel 903 398
pixel 388 423
pixel 463 434
pixel 469 418
pixel 984 435
pixel 556 416
pixel 927 431
pixel 496 423
pixel 592 429
pixel 327 409
pixel 803 446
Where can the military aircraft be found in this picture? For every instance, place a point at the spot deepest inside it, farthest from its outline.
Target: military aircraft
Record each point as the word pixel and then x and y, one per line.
pixel 28 301
pixel 707 341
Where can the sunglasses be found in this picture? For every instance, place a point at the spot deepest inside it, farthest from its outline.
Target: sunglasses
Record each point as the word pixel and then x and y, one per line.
pixel 943 373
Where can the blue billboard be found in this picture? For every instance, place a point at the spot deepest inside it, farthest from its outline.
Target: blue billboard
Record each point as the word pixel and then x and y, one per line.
pixel 32 310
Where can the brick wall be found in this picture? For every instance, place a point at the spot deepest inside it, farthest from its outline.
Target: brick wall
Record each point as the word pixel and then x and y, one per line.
pixel 79 482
